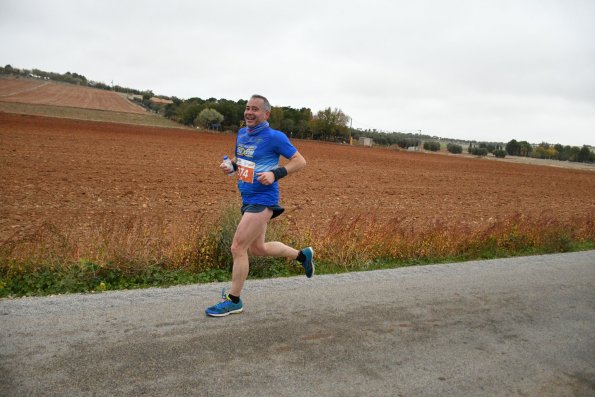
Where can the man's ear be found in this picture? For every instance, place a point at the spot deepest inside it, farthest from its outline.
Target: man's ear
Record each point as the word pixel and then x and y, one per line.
pixel 267 115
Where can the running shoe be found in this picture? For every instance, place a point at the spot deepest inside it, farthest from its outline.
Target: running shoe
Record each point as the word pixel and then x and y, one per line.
pixel 308 263
pixel 225 307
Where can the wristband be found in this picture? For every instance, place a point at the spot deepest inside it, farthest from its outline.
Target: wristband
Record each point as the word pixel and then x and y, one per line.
pixel 279 173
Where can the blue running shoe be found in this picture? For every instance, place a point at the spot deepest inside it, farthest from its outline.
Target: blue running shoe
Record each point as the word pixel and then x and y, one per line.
pixel 308 263
pixel 225 307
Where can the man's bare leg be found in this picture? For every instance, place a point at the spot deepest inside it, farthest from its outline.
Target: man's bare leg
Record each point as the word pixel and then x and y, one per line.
pixel 252 226
pixel 250 238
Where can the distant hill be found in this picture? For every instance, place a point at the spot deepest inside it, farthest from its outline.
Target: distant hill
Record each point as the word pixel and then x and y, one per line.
pixel 56 99
pixel 44 92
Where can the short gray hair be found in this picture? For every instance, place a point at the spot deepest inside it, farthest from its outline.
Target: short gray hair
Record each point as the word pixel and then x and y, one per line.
pixel 267 104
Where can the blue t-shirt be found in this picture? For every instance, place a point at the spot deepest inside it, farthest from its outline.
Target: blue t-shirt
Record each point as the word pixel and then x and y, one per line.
pixel 260 151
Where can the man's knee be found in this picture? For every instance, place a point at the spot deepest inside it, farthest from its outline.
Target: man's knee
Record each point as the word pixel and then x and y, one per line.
pixel 258 250
pixel 238 249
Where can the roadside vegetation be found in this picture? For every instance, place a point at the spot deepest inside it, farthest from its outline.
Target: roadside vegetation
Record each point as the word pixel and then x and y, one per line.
pixel 123 257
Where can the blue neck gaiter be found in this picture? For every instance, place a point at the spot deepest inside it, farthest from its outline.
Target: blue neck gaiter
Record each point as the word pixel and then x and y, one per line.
pixel 258 127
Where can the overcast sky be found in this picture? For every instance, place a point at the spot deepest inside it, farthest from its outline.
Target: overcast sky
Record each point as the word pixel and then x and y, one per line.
pixel 489 70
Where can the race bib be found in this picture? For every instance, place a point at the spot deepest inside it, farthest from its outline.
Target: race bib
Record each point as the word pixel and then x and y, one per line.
pixel 246 170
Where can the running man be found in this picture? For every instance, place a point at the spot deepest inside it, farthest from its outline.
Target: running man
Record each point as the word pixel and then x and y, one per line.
pixel 256 162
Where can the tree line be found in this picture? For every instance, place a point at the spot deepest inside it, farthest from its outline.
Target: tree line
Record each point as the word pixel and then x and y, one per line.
pixel 330 124
pixel 522 149
pixel 551 152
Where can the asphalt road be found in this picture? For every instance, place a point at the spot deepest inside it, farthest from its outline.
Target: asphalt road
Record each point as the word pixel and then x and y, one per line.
pixel 509 327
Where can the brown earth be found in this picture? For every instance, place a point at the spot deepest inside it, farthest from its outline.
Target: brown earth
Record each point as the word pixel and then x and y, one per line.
pixel 76 175
pixel 43 92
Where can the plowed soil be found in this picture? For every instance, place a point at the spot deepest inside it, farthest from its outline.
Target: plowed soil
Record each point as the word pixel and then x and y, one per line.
pixel 42 92
pixel 76 175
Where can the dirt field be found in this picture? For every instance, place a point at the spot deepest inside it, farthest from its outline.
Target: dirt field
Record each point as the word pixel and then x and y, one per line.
pixel 76 175
pixel 148 119
pixel 42 92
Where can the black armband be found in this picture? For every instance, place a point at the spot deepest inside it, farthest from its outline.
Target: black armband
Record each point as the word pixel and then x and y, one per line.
pixel 235 165
pixel 279 173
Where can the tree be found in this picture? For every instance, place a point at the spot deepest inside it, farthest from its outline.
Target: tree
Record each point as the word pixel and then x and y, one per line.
pixel 454 148
pixel 585 155
pixel 276 118
pixel 188 111
pixel 288 126
pixel 545 151
pixel 208 118
pixel 303 121
pixel 525 148
pixel 479 151
pixel 500 153
pixel 147 95
pixel 513 148
pixel 233 113
pixel 433 146
pixel 573 153
pixel 330 124
pixel 304 128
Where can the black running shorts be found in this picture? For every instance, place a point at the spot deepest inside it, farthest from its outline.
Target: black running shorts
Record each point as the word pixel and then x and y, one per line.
pixel 277 210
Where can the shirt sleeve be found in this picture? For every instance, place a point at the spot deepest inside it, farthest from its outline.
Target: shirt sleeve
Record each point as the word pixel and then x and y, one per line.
pixel 284 146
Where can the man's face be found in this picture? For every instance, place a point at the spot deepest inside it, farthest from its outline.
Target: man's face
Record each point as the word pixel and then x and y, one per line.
pixel 255 113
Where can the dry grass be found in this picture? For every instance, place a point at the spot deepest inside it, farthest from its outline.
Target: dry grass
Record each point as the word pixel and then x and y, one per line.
pixel 135 252
pixel 347 243
pixel 358 242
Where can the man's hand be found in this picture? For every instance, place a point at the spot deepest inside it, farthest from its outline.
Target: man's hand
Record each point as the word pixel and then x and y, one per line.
pixel 225 169
pixel 296 163
pixel 266 178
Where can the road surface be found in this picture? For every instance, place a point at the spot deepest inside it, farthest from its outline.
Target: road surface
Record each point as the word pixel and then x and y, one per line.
pixel 508 327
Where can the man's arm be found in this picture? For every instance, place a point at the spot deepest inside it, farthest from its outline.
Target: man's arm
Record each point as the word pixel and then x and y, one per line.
pixel 296 163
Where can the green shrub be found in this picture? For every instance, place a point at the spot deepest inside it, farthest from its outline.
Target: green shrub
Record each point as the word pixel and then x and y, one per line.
pixel 478 151
pixel 453 148
pixel 500 153
pixel 432 146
